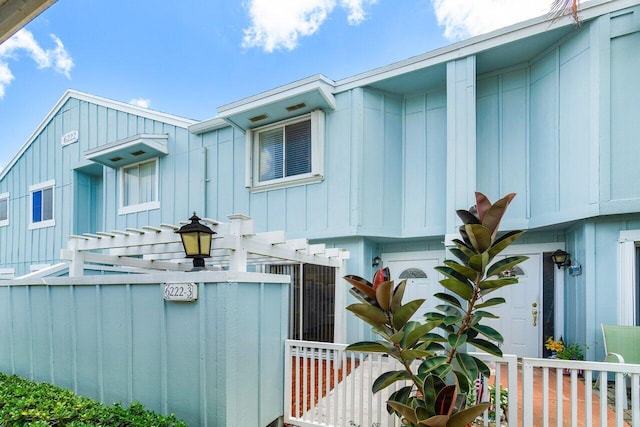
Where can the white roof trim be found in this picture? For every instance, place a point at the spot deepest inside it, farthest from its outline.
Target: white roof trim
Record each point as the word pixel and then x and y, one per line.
pixel 474 45
pixel 318 82
pixel 108 103
pixel 209 125
pixel 282 92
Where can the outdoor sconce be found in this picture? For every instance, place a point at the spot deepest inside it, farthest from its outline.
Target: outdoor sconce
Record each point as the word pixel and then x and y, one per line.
pixel 561 258
pixel 196 239
pixel 376 261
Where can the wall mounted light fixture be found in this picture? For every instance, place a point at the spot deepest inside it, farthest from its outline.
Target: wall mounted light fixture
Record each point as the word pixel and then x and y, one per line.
pixel 561 258
pixel 376 261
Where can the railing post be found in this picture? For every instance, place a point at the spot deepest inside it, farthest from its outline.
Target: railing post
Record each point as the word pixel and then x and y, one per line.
pixel 527 394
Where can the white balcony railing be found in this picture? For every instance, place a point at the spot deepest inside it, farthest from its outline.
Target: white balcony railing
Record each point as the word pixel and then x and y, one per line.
pixel 325 385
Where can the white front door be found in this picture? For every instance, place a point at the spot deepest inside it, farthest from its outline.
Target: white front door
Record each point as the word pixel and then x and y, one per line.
pixel 519 327
pixel 422 282
pixel 522 335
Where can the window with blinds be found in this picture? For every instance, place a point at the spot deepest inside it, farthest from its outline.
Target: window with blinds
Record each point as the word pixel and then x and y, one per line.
pixel 287 153
pixel 139 187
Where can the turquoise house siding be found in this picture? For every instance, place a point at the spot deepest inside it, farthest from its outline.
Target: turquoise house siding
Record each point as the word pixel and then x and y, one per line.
pixel 218 361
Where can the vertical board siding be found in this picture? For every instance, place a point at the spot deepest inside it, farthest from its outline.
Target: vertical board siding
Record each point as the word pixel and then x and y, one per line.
pixel 217 361
pixel 45 159
pixel 625 126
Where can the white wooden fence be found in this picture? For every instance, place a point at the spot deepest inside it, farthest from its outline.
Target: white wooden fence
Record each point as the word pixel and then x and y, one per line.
pixel 325 385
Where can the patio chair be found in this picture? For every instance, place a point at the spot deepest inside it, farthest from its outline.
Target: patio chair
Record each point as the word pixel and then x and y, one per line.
pixel 621 345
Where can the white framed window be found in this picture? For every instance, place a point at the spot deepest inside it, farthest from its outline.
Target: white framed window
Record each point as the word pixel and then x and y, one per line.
pixel 286 153
pixel 139 187
pixel 4 209
pixel 41 204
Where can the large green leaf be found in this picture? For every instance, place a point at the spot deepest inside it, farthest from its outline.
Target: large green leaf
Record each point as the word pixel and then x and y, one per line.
pixel 420 331
pixel 463 382
pixel 479 262
pixel 398 294
pixel 460 255
pixel 468 365
pixel 448 298
pixel 503 242
pixel 383 295
pixel 489 332
pixel 431 363
pixel 482 367
pixel 451 273
pixel 368 313
pixel 370 346
pixel 462 289
pixel 505 264
pixel 479 236
pixel 467 272
pixel 362 284
pixel 414 354
pixel 404 313
pixel 401 396
pixel 434 421
pixel 404 411
pixel 466 416
pixel 487 346
pixel 451 320
pixel 491 302
pixel 456 341
pixel 397 337
pixel 497 283
pixel 467 249
pixel 450 310
pixel 388 378
pixel 481 313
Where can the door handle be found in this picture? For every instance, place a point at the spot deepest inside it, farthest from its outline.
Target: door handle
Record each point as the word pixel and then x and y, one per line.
pixel 534 313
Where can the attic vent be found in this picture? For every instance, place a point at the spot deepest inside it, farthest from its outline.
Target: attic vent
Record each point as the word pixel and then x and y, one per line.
pixel 258 118
pixel 137 153
pixel 115 159
pixel 296 107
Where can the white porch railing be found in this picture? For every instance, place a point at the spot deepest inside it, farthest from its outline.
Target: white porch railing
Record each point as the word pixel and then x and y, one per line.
pixel 587 402
pixel 325 385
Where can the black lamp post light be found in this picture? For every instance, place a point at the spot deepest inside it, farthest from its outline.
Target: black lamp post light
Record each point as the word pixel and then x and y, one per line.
pixel 196 240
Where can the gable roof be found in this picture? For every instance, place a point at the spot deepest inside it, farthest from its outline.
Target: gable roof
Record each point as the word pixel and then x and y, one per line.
pixel 104 102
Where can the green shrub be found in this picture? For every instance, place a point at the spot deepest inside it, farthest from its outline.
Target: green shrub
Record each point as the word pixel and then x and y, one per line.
pixel 26 403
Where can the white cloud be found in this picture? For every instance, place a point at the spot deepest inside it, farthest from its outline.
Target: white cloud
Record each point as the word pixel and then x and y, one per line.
pixel 466 18
pixel 140 102
pixel 23 42
pixel 277 24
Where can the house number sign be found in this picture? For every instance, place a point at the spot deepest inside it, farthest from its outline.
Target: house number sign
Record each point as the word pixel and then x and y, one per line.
pixel 180 291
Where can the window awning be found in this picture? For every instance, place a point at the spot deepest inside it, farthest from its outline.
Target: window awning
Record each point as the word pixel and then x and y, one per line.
pixel 129 150
pixel 314 93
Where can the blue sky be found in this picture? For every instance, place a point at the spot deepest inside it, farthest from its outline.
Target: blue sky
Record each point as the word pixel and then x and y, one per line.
pixel 188 57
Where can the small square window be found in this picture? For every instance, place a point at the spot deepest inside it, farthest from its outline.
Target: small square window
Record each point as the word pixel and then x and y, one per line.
pixel 139 187
pixel 286 153
pixel 4 209
pixel 42 205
